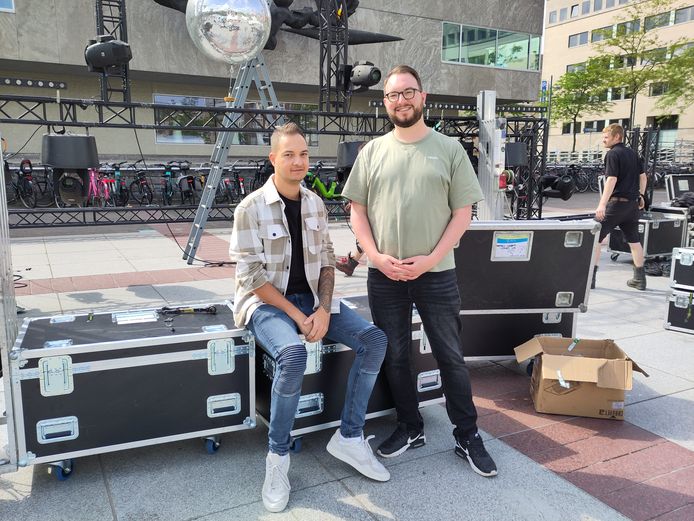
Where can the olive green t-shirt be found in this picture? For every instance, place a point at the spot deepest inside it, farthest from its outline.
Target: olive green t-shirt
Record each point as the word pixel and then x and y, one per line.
pixel 410 191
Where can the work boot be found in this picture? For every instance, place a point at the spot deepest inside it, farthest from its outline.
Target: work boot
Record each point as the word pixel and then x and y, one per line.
pixel 347 265
pixel 639 280
pixel 592 282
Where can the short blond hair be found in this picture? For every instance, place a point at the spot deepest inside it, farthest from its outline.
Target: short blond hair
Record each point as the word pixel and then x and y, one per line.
pixel 288 129
pixel 614 129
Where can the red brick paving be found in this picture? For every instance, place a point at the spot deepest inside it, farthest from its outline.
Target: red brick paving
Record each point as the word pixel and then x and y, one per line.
pixel 640 474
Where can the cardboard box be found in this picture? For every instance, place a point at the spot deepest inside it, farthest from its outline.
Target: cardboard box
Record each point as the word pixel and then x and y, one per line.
pixel 578 377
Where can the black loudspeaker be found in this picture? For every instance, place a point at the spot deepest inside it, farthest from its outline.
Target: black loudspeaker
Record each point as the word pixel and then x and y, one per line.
pixel 70 156
pixel 347 153
pixel 516 154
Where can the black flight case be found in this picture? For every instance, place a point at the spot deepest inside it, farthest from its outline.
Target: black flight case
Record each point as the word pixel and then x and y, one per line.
pixel 86 384
pixel 521 279
pixel 325 379
pixel 680 302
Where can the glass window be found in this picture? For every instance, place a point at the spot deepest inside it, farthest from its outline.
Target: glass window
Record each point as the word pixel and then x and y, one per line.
pixel 563 14
pixel 203 137
pixel 601 34
pixel 553 17
pixel 621 2
pixel 7 5
pixel 566 128
pixel 628 27
pixel 578 39
pixel 573 67
pixel 597 5
pixel 534 54
pixel 626 123
pixel 450 46
pixel 478 46
pixel 512 50
pixel 684 15
pixel 657 20
pixel 574 11
pixel 585 7
pixel 654 56
pixel 609 3
pixel 577 128
pixel 657 89
pixel 599 125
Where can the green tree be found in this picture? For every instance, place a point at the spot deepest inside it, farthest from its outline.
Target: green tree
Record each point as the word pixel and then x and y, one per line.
pixel 582 91
pixel 638 55
pixel 678 79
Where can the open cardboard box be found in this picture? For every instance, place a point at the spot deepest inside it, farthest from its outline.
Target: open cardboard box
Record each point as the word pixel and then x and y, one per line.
pixel 578 377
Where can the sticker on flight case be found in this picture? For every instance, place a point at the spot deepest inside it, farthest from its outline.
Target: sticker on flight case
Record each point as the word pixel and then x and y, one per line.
pixel 512 246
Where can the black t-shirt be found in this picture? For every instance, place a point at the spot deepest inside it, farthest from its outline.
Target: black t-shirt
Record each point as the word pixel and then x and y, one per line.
pixel 624 164
pixel 297 274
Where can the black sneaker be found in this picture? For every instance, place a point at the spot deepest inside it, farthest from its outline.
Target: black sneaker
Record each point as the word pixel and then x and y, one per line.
pixel 401 440
pixel 473 450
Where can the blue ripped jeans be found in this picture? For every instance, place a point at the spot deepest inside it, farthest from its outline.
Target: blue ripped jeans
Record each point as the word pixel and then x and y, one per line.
pixel 279 336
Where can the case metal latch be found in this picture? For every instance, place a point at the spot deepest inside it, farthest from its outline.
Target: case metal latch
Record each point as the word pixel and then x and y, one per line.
pixel 682 301
pixel 573 239
pixel 564 299
pixel 55 375
pixel 314 357
pixel 310 405
pixel 551 318
pixel 429 381
pixel 223 405
pixel 220 356
pixel 57 429
pixel 686 259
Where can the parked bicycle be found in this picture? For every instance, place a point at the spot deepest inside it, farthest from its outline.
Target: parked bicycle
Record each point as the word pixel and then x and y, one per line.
pixel 98 190
pixel 313 181
pixel 141 188
pixel 120 195
pixel 20 185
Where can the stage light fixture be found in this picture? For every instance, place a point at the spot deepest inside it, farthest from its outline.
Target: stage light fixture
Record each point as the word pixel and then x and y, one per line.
pixel 105 52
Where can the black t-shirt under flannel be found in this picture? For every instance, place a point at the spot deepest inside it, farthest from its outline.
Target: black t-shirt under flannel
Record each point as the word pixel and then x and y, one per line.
pixel 624 164
pixel 297 274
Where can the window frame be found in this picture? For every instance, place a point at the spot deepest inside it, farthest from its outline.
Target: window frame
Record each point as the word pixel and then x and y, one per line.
pixel 683 10
pixel 10 9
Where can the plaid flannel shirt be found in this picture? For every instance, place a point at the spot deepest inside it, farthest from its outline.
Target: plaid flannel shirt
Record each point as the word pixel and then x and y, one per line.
pixel 261 248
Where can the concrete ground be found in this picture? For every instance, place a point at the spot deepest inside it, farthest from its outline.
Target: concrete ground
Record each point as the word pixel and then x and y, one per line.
pixel 550 467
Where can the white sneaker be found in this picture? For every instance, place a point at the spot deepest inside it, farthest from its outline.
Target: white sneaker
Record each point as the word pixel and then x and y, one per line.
pixel 359 455
pixel 276 486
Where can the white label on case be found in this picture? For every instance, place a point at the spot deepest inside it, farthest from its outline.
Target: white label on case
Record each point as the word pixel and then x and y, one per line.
pixel 618 405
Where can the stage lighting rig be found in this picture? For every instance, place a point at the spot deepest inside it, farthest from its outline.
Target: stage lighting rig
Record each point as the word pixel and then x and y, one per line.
pixel 360 76
pixel 105 52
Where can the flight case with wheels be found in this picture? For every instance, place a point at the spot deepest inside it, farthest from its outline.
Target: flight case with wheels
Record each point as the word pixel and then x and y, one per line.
pixel 327 371
pixel 86 384
pixel 659 232
pixel 680 311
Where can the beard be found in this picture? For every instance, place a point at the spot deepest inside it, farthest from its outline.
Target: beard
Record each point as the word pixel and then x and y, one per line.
pixel 406 121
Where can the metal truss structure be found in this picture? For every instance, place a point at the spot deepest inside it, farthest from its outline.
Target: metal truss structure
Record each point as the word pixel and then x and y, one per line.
pixel 87 113
pixel 333 39
pixel 110 19
pixel 20 218
pixel 645 142
pixel 116 115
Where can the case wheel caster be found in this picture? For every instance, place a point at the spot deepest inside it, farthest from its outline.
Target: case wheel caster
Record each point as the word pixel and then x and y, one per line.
pixel 295 445
pixel 614 257
pixel 62 470
pixel 212 445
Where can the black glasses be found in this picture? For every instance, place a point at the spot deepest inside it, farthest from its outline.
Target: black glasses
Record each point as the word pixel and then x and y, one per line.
pixel 393 96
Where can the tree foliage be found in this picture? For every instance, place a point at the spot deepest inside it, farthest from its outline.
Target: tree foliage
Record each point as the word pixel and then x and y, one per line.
pixel 640 57
pixel 582 91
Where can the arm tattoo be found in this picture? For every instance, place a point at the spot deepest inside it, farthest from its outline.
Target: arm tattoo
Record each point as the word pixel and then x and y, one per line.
pixel 326 283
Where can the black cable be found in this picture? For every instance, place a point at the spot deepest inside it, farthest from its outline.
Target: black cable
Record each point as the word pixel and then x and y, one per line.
pixel 25 144
pixel 17 284
pixel 206 264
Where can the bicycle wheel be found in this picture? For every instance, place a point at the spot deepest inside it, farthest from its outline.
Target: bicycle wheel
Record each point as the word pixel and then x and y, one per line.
pixel 27 193
pixel 44 193
pixel 582 181
pixel 141 192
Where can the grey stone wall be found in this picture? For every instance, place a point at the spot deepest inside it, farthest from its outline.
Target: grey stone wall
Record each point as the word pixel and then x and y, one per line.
pixel 56 32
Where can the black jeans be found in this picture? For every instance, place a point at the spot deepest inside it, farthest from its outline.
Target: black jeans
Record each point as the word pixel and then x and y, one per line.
pixel 435 294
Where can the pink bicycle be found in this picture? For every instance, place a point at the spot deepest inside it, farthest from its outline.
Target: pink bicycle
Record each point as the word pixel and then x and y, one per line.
pixel 99 189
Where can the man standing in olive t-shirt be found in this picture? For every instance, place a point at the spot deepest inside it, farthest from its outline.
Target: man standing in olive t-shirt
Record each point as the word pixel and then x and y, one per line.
pixel 412 192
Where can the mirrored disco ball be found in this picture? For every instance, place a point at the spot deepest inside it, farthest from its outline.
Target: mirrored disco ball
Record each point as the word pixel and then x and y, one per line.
pixel 233 31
